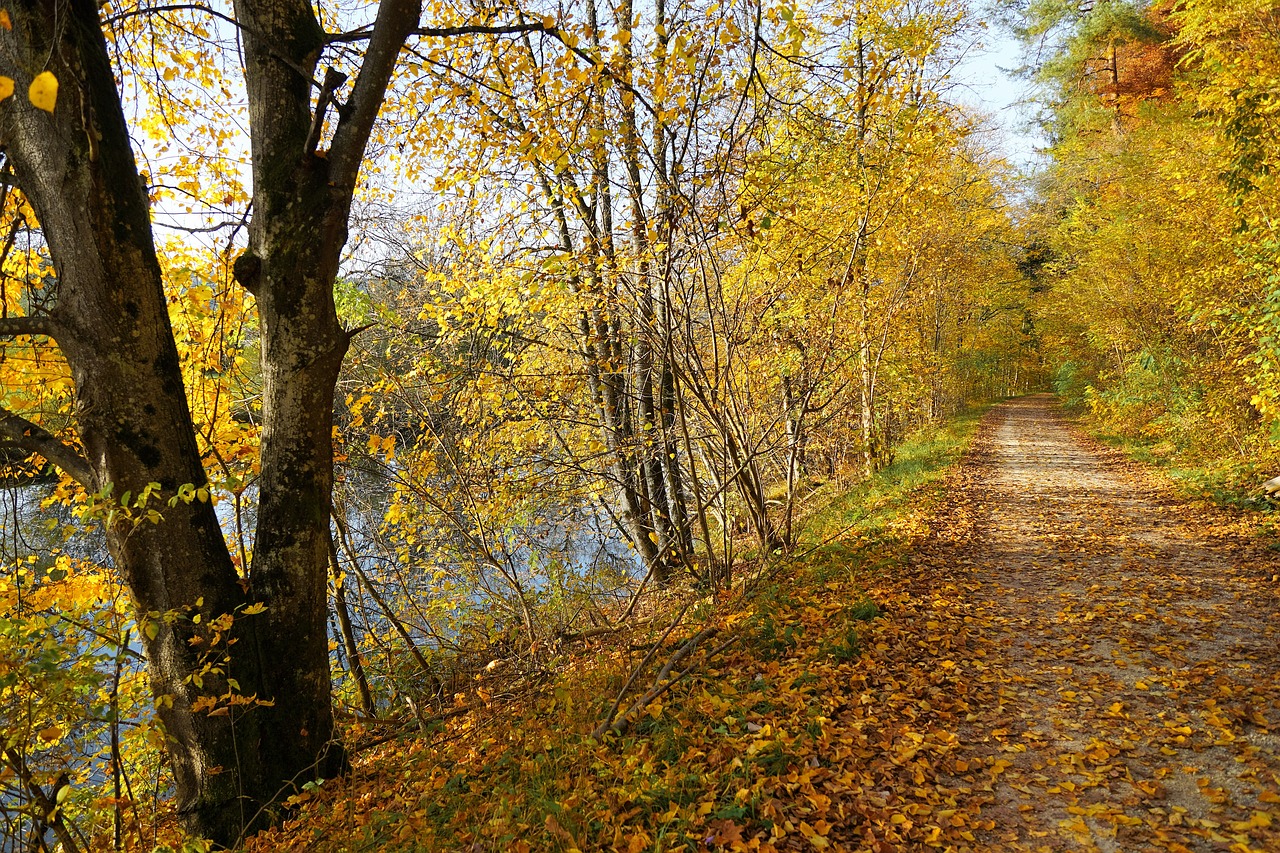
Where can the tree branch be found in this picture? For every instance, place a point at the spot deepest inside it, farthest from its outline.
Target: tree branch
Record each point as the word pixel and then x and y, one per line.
pixel 396 19
pixel 444 32
pixel 46 801
pixel 499 30
pixel 200 7
pixel 169 7
pixel 635 673
pixel 12 327
pixel 662 682
pixel 606 71
pixel 35 438
pixel 333 78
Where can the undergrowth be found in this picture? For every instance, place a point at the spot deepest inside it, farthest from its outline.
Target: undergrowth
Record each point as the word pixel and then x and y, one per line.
pixel 1228 481
pixel 918 463
pixel 706 764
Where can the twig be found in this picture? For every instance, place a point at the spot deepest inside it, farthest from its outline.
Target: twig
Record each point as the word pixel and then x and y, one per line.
pixel 117 817
pixel 635 673
pixel 566 636
pixel 425 722
pixel 661 683
pixel 635 599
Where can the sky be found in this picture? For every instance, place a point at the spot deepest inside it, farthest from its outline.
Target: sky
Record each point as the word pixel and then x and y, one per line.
pixel 985 83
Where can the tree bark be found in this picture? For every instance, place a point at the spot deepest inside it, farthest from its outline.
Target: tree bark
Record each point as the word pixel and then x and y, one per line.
pixel 111 323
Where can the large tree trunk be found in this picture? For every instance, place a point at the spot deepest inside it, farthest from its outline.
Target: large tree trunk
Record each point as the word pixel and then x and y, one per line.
pixel 295 239
pixel 111 323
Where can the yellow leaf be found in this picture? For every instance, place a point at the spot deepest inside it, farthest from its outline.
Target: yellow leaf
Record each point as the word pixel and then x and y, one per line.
pixel 254 609
pixel 44 91
pixel 6 21
pixel 6 87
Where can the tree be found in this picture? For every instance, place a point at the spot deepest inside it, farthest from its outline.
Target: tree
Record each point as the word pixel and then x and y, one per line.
pixel 134 438
pixel 1160 290
pixel 614 135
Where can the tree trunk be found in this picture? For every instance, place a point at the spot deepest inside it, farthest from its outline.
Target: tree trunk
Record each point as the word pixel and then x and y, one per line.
pixel 1113 66
pixel 111 323
pixel 866 375
pixel 295 237
pixel 650 370
pixel 601 360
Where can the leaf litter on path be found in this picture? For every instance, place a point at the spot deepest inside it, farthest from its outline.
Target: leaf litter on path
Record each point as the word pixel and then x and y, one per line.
pixel 1133 650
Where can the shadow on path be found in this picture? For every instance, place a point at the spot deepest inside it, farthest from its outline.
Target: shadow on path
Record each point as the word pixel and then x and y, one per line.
pixel 1133 648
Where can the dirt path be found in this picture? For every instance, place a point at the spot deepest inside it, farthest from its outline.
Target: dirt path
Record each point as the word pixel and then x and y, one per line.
pixel 1133 647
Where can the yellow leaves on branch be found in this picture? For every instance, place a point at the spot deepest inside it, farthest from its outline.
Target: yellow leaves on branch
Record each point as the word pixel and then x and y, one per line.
pixel 70 585
pixel 384 445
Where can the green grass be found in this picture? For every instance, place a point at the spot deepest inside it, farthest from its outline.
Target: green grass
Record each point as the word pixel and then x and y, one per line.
pixel 1228 482
pixel 868 509
pixel 846 645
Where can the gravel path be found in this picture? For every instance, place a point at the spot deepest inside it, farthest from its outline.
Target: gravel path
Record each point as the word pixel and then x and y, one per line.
pixel 1133 647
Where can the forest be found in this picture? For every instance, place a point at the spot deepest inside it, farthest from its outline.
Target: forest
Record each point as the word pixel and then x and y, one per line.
pixel 383 381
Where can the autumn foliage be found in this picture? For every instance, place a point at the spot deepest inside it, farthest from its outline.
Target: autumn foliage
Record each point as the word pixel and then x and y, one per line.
pixel 1160 211
pixel 461 387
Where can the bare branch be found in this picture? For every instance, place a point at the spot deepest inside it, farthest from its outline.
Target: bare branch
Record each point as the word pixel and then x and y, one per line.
pixel 635 673
pixel 169 7
pixel 202 229
pixel 35 438
pixel 45 801
pixel 445 32
pixel 662 682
